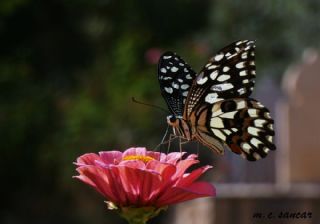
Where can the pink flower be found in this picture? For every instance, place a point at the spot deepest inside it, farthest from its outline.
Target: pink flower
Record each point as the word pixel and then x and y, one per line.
pixel 152 55
pixel 140 178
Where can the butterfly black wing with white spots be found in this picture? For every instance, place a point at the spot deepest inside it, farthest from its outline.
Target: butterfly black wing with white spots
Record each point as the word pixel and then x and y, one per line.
pixel 175 78
pixel 229 74
pixel 244 125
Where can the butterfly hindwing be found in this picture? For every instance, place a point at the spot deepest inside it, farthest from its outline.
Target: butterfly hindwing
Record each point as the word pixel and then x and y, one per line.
pixel 244 125
pixel 175 78
pixel 229 74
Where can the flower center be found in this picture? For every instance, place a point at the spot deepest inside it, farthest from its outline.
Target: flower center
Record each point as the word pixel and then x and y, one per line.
pixel 144 159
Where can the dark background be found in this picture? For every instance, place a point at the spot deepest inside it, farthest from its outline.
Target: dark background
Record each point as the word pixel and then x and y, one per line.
pixel 68 70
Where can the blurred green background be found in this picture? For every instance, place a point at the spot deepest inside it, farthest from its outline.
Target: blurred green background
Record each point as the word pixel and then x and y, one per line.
pixel 68 70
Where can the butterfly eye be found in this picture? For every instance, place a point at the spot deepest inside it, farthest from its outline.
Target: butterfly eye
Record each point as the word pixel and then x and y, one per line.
pixel 171 119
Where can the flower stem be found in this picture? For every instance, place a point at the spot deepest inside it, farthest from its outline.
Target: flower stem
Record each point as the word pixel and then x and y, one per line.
pixel 137 221
pixel 139 215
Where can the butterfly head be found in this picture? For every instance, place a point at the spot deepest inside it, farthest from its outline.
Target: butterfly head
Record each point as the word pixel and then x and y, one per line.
pixel 172 120
pixel 180 126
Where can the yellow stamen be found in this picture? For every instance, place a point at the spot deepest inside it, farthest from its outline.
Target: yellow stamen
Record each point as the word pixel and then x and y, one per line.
pixel 144 159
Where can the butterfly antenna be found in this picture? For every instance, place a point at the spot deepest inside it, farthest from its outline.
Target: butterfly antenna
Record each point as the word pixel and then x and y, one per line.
pixel 148 104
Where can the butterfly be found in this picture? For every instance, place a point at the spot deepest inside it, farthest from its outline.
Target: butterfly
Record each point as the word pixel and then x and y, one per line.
pixel 214 106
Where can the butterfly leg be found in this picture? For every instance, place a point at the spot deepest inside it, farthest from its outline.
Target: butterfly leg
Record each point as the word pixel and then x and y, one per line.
pixel 182 141
pixel 162 140
pixel 171 138
pixel 165 135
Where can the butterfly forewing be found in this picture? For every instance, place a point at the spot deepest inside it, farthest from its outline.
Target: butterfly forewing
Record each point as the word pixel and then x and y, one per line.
pixel 229 74
pixel 175 78
pixel 244 125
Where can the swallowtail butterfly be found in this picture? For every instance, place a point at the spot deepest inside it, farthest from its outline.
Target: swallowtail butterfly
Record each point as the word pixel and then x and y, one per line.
pixel 213 106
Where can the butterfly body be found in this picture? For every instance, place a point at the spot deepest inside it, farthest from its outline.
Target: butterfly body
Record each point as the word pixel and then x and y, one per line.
pixel 213 106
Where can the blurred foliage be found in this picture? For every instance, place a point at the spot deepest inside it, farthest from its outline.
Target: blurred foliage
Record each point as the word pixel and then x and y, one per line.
pixel 68 70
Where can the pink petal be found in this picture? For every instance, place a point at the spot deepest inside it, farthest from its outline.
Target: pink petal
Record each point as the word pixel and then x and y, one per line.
pixel 159 167
pixel 118 189
pixel 101 164
pixel 105 181
pixel 87 159
pixel 191 177
pixel 183 165
pixel 165 170
pixel 202 188
pixel 138 184
pixel 128 178
pixel 155 155
pixel 110 157
pixel 150 184
pixel 138 151
pixel 86 180
pixel 192 156
pixel 136 164
pixel 172 157
pixel 196 190
pixel 116 185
